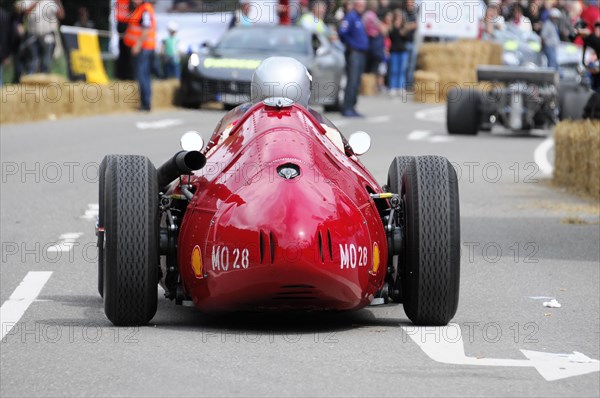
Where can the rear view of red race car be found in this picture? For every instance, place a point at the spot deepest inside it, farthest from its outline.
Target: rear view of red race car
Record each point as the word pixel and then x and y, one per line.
pixel 277 213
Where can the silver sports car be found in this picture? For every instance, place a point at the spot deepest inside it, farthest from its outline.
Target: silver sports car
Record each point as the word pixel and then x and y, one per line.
pixel 223 73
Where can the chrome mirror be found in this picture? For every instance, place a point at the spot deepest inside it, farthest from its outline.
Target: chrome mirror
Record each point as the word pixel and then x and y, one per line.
pixel 191 141
pixel 360 142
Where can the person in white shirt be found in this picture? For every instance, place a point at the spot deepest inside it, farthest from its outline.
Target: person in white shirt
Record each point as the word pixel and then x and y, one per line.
pixel 493 20
pixel 551 38
pixel 519 20
pixel 42 19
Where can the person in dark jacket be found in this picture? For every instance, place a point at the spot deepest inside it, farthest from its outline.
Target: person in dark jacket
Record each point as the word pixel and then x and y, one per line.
pixel 5 28
pixel 353 35
pixel 20 44
pixel 410 21
pixel 591 39
pixel 398 55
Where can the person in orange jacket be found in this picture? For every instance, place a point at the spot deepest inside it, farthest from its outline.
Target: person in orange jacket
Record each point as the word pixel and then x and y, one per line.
pixel 140 37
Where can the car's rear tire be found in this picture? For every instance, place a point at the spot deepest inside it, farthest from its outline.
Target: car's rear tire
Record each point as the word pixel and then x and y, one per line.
pixel 191 104
pixel 564 88
pixel 574 104
pixel 341 92
pixel 463 113
pixel 101 177
pixel 131 255
pixel 430 263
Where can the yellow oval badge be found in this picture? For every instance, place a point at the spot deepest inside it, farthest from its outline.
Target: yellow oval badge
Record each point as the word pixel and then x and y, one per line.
pixel 197 261
pixel 376 259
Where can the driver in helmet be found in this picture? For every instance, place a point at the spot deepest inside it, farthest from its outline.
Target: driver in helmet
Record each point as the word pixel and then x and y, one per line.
pixel 278 77
pixel 281 77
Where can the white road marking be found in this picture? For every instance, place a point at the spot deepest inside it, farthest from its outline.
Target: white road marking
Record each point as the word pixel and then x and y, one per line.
pixel 13 309
pixel 429 136
pixel 541 156
pixel 65 243
pixel 419 135
pixel 378 119
pixel 159 124
pixel 373 119
pixel 437 139
pixel 91 212
pixel 445 345
pixel 436 115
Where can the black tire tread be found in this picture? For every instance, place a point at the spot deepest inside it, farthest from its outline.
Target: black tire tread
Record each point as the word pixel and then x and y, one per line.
pixel 432 269
pixel 101 178
pixel 396 171
pixel 574 104
pixel 131 225
pixel 394 182
pixel 337 105
pixel 462 111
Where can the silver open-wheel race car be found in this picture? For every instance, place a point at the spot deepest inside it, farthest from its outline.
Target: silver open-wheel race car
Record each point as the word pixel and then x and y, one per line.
pixel 520 99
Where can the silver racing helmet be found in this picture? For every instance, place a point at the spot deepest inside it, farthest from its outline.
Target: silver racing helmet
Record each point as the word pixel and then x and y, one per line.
pixel 281 77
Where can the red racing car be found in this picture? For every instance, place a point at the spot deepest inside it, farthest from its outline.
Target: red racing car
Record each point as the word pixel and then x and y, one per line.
pixel 277 213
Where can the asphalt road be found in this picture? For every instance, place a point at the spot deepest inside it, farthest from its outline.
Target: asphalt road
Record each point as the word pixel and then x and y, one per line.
pixel 524 242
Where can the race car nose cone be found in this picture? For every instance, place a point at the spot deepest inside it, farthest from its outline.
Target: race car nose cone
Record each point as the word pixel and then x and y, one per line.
pixel 287 219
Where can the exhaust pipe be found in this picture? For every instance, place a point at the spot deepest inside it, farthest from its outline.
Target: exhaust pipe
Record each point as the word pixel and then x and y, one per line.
pixel 183 162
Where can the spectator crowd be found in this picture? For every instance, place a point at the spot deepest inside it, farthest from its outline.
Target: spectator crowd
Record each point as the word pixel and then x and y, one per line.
pixel 378 36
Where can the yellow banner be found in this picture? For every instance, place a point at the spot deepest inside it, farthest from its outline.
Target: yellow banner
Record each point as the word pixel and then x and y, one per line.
pixel 86 59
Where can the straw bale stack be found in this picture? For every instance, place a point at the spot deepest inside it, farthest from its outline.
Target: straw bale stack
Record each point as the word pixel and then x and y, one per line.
pixel 368 84
pixel 577 156
pixel 427 87
pixel 455 64
pixel 41 97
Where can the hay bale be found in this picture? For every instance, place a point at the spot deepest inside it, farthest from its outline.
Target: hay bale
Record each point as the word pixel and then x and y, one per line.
pixel 427 88
pixel 49 97
pixel 577 156
pixel 164 92
pixel 43 79
pixel 368 84
pixel 455 63
pixel 30 102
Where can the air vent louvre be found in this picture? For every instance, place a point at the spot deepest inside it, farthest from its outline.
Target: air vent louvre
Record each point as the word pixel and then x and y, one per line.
pixel 321 255
pixel 272 244
pixel 329 245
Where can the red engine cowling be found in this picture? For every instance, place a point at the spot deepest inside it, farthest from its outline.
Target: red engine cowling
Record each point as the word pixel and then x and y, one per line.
pixel 281 218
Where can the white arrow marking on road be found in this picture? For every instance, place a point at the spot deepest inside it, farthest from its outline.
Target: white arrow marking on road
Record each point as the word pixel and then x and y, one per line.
pixel 158 124
pixel 541 156
pixel 91 212
pixel 65 243
pixel 436 344
pixel 13 309
pixel 560 366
